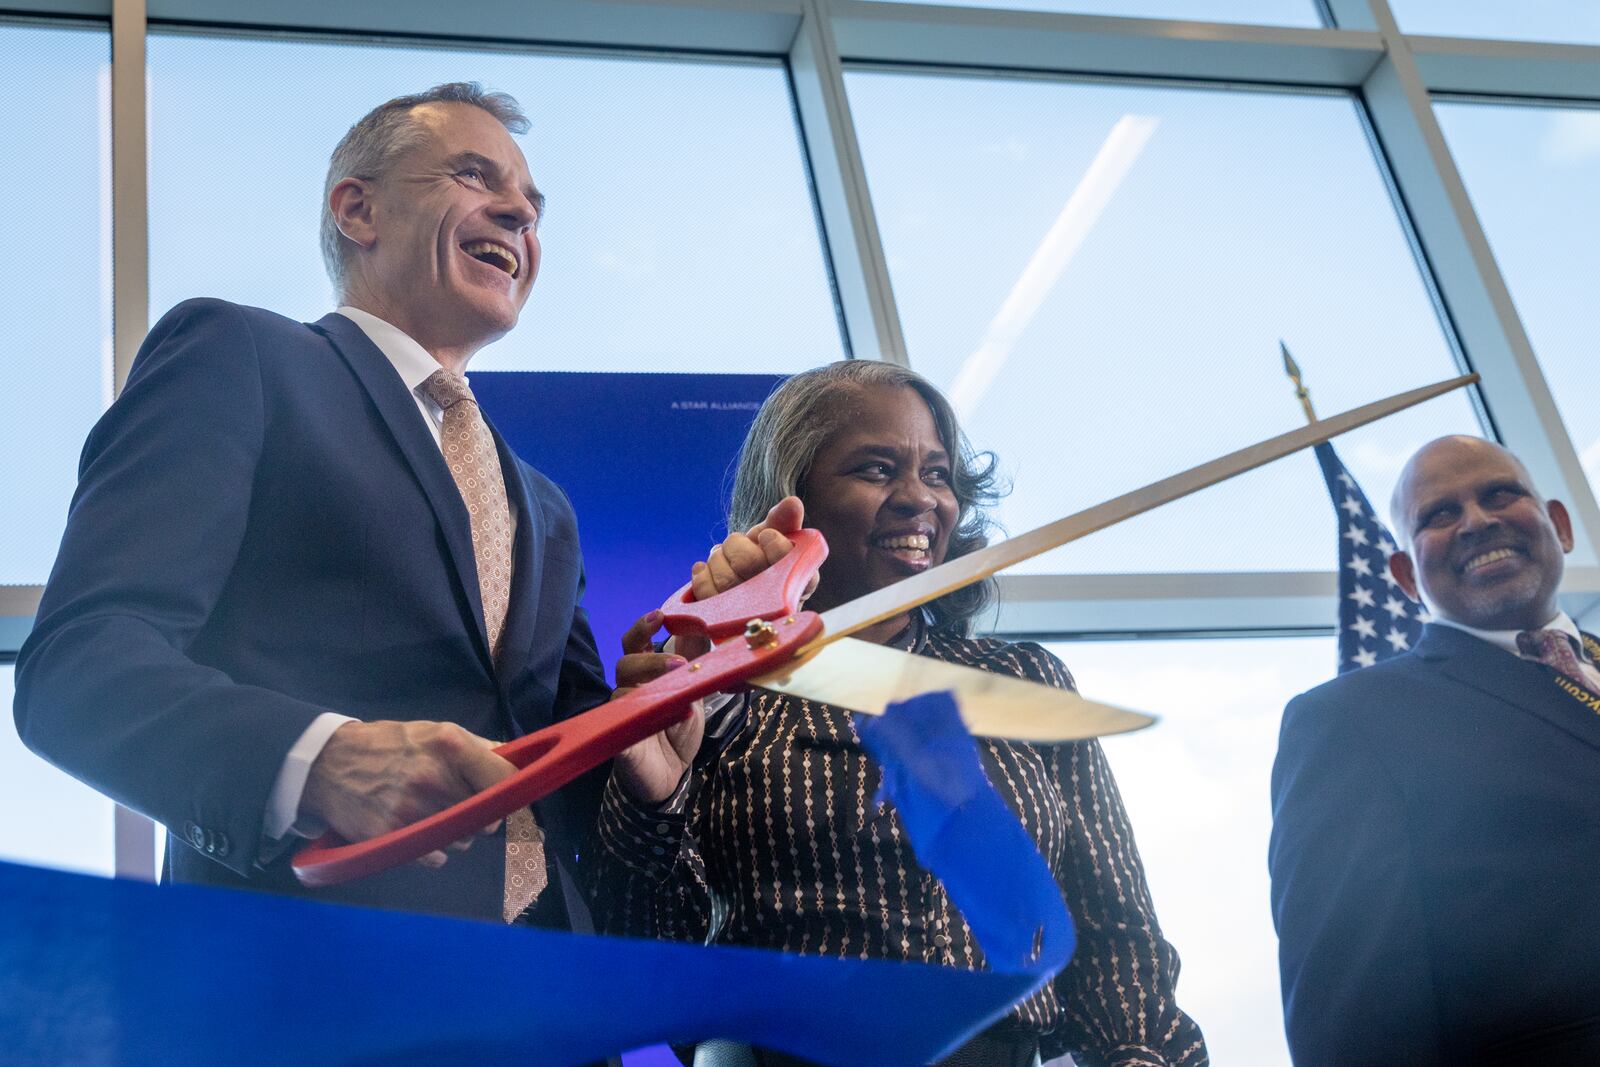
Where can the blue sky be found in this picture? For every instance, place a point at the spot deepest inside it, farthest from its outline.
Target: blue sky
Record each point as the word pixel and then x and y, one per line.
pixel 1266 12
pixel 1532 173
pixel 55 302
pixel 1568 21
pixel 1241 218
pixel 678 232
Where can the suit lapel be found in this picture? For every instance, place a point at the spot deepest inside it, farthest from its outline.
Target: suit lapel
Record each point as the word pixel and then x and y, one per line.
pixel 1529 687
pixel 398 409
pixel 527 567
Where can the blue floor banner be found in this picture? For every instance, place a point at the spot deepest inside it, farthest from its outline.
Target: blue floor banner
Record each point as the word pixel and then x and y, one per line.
pixel 101 972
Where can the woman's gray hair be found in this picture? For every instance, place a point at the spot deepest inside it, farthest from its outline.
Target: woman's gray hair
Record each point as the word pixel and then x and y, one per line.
pixel 801 416
pixel 371 147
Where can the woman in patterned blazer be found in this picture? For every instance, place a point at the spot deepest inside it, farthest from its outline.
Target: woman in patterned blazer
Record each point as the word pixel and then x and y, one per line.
pixel 755 825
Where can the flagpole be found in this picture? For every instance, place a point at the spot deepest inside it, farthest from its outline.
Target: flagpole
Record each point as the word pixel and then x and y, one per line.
pixel 1301 393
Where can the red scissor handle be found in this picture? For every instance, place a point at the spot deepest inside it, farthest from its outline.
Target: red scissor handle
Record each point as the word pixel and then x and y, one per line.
pixel 554 756
pixel 772 594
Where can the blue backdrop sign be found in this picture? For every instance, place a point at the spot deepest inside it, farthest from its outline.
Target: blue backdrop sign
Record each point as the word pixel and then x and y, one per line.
pixel 647 460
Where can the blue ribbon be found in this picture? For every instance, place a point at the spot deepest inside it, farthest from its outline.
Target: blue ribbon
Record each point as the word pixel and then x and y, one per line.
pixel 103 972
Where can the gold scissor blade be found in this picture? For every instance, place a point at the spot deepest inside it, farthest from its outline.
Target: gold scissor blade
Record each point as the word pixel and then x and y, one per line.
pixel 867 678
pixel 907 593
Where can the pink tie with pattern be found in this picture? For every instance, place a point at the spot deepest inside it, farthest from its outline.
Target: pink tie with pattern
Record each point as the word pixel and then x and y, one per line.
pixel 475 465
pixel 1554 648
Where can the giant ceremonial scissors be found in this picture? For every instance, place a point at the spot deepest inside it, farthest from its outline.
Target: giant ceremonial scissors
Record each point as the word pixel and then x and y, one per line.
pixel 766 640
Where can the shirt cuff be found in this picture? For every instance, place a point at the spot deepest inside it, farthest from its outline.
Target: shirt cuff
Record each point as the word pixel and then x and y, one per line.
pixel 644 837
pixel 283 803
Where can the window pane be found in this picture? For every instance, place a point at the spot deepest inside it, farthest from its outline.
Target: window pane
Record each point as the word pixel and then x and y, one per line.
pixel 1196 786
pixel 1566 21
pixel 1532 173
pixel 52 820
pixel 1264 12
pixel 680 232
pixel 55 279
pixel 1100 274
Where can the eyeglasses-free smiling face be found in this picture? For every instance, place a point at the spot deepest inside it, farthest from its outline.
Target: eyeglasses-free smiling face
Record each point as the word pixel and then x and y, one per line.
pixel 1485 550
pixel 454 246
pixel 879 490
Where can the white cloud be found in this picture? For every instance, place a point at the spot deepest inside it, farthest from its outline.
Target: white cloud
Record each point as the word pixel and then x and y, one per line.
pixel 1571 137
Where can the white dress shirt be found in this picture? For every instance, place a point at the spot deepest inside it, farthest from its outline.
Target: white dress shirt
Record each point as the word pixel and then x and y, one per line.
pixel 415 366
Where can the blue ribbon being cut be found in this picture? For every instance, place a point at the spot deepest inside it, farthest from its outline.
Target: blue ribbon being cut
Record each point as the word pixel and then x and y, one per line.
pixel 103 972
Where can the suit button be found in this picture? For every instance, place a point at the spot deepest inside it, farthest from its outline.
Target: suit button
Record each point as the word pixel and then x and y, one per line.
pixel 224 846
pixel 942 940
pixel 194 835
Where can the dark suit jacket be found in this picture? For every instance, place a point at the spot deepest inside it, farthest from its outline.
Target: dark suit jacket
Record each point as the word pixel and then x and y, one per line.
pixel 264 530
pixel 1436 863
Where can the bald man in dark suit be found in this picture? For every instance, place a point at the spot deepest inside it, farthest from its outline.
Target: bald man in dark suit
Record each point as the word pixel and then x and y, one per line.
pixel 1435 850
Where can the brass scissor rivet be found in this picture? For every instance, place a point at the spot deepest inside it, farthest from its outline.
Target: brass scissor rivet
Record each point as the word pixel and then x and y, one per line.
pixel 758 633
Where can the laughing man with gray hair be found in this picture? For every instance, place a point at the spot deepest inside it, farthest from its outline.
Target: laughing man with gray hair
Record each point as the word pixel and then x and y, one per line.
pixel 277 610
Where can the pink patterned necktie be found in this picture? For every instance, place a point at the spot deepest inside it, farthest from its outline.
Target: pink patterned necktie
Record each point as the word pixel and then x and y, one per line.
pixel 1554 648
pixel 475 465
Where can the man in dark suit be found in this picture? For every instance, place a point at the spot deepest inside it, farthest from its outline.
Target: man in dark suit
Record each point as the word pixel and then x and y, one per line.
pixel 1435 848
pixel 303 584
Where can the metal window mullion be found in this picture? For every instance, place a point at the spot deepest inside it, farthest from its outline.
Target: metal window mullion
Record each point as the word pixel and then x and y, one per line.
pixel 1567 72
pixel 133 836
pixel 1201 602
pixel 1474 293
pixel 1052 42
pixel 19 600
pixel 130 229
pixel 18 605
pixel 855 245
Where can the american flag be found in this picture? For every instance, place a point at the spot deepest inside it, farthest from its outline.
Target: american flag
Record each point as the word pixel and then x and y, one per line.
pixel 1376 618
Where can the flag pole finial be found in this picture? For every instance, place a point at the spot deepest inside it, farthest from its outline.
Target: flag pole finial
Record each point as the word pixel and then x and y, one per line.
pixel 1292 369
